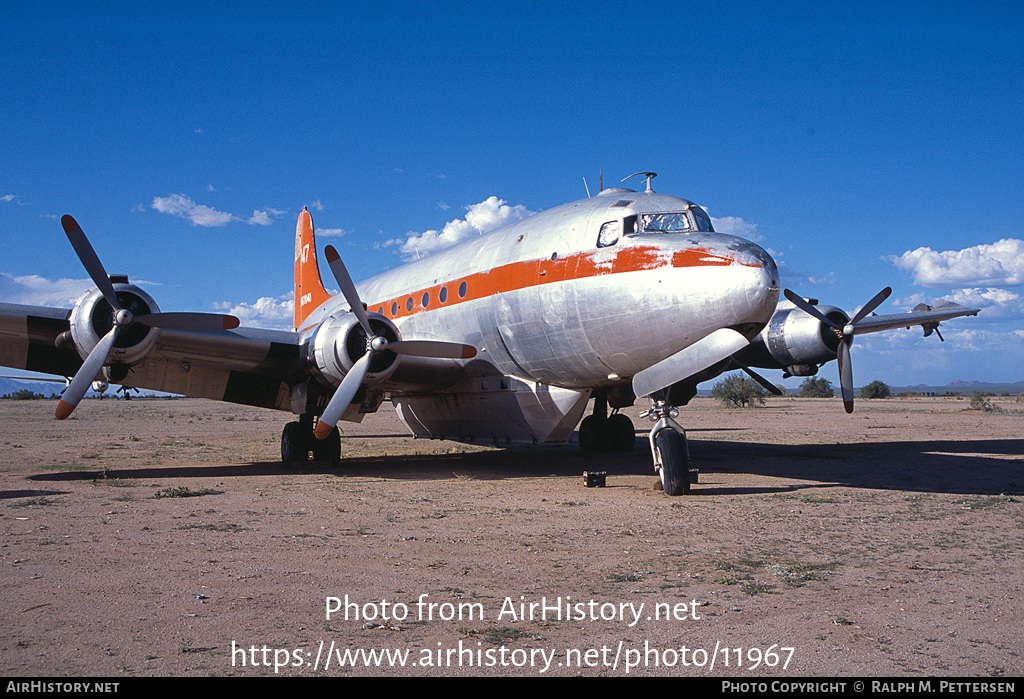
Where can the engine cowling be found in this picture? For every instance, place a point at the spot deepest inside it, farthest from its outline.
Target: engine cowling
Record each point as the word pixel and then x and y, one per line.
pixel 800 342
pixel 92 318
pixel 341 341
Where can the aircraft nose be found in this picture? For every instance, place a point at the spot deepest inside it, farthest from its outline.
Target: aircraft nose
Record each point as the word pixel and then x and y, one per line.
pixel 762 288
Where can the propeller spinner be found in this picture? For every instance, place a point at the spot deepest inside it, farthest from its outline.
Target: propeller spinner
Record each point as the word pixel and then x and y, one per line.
pixel 123 318
pixel 845 334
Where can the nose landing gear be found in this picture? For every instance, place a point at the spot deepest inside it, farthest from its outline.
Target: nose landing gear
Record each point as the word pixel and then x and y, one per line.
pixel 668 447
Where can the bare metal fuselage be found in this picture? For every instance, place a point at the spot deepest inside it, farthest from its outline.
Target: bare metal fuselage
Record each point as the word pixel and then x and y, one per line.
pixel 544 303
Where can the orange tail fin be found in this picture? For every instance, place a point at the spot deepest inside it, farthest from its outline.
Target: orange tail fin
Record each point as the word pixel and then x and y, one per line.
pixel 309 289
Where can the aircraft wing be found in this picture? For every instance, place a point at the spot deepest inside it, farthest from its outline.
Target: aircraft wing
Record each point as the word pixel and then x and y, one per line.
pixel 247 365
pixel 928 316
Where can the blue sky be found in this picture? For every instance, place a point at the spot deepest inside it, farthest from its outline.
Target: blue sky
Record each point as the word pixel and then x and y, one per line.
pixel 864 145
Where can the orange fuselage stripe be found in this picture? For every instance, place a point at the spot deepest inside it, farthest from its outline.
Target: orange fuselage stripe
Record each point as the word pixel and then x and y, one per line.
pixel 522 275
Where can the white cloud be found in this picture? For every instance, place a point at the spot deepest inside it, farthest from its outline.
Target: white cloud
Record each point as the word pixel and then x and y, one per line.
pixel 996 264
pixel 267 312
pixel 33 290
pixel 331 232
pixel 199 215
pixel 733 225
pixel 480 218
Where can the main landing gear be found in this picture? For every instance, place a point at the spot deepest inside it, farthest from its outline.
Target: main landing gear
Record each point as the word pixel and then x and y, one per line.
pixel 668 446
pixel 298 442
pixel 601 433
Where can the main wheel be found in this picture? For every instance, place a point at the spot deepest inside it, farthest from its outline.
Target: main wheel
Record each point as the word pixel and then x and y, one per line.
pixel 675 471
pixel 593 435
pixel 328 448
pixel 620 433
pixel 294 443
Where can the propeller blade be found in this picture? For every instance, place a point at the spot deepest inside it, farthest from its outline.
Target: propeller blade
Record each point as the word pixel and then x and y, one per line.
pixel 189 321
pixel 432 348
pixel 871 305
pixel 809 309
pixel 347 287
pixel 89 259
pixel 342 397
pixel 846 334
pixel 772 388
pixel 83 379
pixel 846 373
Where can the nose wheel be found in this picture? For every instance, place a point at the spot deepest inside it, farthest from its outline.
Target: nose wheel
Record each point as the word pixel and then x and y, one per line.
pixel 669 449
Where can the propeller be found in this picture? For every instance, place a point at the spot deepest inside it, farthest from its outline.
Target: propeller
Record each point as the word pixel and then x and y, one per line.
pixel 845 334
pixel 123 318
pixel 376 344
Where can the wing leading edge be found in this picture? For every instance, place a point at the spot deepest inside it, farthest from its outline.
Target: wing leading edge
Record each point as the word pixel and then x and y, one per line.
pixel 246 365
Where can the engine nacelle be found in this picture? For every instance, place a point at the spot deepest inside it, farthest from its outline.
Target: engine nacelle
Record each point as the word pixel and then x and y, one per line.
pixel 801 342
pixel 92 318
pixel 340 342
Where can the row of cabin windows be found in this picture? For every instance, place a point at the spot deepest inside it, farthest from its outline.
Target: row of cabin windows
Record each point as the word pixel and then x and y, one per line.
pixel 424 300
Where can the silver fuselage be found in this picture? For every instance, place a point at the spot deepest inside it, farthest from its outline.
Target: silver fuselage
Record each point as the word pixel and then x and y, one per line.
pixel 542 301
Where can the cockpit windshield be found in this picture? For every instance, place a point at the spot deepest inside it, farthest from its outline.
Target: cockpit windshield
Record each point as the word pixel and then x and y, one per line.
pixel 665 223
pixel 680 222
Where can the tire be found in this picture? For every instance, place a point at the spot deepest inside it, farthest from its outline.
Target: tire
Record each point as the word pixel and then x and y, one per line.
pixel 329 448
pixel 593 436
pixel 294 444
pixel 675 471
pixel 621 434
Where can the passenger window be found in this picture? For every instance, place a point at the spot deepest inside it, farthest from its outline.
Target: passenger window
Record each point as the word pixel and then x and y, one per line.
pixel 609 234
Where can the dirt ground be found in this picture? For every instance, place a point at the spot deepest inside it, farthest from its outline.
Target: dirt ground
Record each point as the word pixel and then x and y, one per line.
pixel 163 537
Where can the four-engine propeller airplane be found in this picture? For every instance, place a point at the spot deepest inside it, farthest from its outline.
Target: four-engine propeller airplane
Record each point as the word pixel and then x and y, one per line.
pixel 504 338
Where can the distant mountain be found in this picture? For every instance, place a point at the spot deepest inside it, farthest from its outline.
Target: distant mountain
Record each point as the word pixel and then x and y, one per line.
pixel 45 388
pixel 976 384
pixel 964 387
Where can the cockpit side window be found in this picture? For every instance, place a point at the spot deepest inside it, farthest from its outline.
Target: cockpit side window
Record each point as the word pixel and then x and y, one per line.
pixel 609 234
pixel 703 222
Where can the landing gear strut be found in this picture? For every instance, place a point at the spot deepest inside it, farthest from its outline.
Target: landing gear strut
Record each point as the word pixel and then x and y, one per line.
pixel 297 441
pixel 601 433
pixel 668 446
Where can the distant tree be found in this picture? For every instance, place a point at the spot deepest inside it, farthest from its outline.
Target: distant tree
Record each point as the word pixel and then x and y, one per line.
pixel 25 394
pixel 816 388
pixel 980 401
pixel 739 392
pixel 875 389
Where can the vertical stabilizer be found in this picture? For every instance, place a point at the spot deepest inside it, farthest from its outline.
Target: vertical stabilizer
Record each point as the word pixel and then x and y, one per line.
pixel 309 289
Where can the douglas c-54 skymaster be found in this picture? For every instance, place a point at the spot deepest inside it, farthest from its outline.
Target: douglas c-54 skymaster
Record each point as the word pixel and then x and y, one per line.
pixel 502 339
